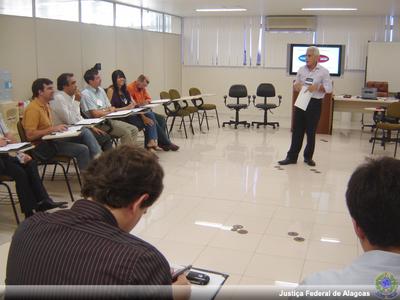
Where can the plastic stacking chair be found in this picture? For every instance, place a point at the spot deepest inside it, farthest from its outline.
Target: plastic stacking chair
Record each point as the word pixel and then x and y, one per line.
pixel 57 161
pixel 172 110
pixel 3 180
pixel 389 124
pixel 201 106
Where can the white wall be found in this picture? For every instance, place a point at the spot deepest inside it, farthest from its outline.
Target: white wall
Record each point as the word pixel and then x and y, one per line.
pixel 33 47
pixel 218 80
pixel 350 31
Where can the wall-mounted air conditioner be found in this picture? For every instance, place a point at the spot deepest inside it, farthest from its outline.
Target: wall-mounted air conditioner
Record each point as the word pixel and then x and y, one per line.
pixel 290 23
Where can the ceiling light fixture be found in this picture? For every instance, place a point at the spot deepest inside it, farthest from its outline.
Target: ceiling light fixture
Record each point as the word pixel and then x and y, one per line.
pixel 220 9
pixel 329 8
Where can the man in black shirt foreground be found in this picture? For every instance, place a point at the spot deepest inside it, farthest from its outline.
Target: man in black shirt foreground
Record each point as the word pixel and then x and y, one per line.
pixel 90 243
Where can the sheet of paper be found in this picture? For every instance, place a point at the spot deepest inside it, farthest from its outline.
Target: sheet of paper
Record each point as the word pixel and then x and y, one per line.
pixel 74 128
pixel 119 113
pixel 14 146
pixel 151 105
pixel 90 121
pixel 160 101
pixel 139 109
pixel 303 98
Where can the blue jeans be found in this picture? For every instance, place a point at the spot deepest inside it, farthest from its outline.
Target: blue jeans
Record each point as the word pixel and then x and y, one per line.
pixel 163 138
pixel 150 132
pixel 74 149
pixel 88 139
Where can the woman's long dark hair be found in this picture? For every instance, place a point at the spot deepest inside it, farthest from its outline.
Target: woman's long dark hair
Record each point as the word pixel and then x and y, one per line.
pixel 114 76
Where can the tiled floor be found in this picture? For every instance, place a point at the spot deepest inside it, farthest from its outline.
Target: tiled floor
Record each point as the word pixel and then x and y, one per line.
pixel 227 177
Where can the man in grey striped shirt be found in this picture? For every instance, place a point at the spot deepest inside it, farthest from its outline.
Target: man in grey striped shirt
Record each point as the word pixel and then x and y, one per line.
pixel 91 244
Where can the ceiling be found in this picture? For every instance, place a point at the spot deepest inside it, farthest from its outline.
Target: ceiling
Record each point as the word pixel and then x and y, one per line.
pixel 185 8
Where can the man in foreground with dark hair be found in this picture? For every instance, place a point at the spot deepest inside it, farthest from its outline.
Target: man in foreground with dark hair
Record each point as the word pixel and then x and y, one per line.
pixel 373 200
pixel 91 244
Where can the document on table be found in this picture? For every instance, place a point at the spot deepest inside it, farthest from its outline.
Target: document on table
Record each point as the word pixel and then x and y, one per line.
pixel 119 114
pixel 90 121
pixel 210 290
pixel 72 131
pixel 160 101
pixel 14 146
pixel 151 105
pixel 303 98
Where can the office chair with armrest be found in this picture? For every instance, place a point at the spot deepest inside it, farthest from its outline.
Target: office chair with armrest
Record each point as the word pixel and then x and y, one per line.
pixel 237 91
pixel 199 103
pixel 266 90
pixel 173 109
pixel 381 86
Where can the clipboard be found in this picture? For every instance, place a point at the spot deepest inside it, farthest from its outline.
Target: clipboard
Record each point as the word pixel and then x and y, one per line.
pixel 211 290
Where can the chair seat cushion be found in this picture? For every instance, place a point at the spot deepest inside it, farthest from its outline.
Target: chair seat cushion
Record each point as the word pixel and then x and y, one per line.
pixel 181 113
pixel 5 178
pixel 388 126
pixel 266 106
pixel 207 107
pixel 191 109
pixel 234 106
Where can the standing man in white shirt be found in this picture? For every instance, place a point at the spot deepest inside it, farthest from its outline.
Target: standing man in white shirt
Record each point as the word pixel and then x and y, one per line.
pixel 318 82
pixel 66 109
pixel 373 200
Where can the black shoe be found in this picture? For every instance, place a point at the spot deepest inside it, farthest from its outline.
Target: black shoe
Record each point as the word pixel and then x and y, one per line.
pixel 310 162
pixel 164 147
pixel 287 161
pixel 50 204
pixel 173 147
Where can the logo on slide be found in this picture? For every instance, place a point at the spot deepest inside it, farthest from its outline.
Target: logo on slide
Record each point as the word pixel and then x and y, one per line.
pixel 322 58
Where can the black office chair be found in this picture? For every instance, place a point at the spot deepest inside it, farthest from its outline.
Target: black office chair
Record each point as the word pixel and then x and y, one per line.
pixel 266 90
pixel 237 91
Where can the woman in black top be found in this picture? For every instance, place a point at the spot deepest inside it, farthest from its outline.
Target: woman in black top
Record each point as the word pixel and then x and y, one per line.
pixel 120 97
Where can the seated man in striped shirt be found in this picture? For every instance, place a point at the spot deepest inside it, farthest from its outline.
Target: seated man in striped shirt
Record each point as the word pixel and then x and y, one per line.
pixel 91 244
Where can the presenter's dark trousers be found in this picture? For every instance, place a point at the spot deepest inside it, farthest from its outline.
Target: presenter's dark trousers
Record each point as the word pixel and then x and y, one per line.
pixel 305 122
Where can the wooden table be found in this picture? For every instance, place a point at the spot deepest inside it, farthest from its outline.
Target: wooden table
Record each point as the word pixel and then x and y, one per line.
pixel 357 104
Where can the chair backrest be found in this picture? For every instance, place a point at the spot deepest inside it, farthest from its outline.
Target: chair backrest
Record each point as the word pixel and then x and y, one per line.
pixel 393 110
pixel 266 90
pixel 21 132
pixel 164 95
pixel 382 86
pixel 238 91
pixel 194 91
pixel 174 94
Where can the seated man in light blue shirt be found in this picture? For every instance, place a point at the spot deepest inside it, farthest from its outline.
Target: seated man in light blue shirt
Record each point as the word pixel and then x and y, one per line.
pixel 373 199
pixel 95 104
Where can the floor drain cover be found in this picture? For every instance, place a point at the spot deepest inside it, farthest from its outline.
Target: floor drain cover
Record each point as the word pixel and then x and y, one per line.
pixel 242 231
pixel 299 239
pixel 237 226
pixel 292 233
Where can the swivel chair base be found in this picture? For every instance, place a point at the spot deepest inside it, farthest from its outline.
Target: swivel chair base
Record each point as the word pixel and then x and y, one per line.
pixel 273 124
pixel 245 123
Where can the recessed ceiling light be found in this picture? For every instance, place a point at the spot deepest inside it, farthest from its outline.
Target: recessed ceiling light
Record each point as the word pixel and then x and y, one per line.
pixel 219 9
pixel 330 8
